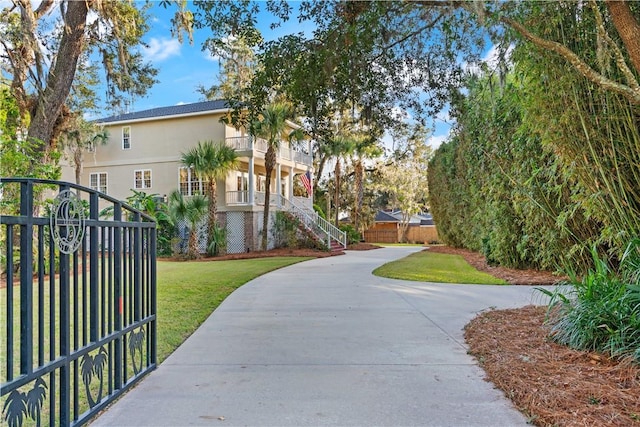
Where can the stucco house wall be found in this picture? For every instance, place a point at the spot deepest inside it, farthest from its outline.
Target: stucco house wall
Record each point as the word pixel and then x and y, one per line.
pixel 149 143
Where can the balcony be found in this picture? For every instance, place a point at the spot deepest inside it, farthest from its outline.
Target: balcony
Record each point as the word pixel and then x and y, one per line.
pixel 285 152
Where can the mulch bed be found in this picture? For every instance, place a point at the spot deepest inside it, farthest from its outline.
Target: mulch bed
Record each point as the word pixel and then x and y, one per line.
pixel 551 384
pixel 303 252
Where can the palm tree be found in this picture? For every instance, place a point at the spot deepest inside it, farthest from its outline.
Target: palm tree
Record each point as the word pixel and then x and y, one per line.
pixel 365 147
pixel 273 128
pixel 211 161
pixel 193 211
pixel 339 146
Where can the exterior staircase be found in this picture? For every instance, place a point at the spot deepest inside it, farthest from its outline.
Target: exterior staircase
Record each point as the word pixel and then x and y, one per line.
pixel 328 235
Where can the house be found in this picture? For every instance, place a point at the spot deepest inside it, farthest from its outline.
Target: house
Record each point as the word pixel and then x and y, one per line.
pixel 143 153
pixel 387 228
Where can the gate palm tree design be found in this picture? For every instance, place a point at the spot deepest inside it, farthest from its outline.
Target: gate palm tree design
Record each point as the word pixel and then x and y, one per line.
pixel 20 405
pixel 136 345
pixel 90 366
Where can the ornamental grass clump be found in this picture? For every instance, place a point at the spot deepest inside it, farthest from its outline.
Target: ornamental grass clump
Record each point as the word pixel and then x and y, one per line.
pixel 601 310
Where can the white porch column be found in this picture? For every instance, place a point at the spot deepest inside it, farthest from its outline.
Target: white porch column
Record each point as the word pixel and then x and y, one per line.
pixel 252 186
pixel 278 190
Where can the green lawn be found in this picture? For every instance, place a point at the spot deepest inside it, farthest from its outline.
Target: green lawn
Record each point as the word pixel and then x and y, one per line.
pixel 188 292
pixel 427 266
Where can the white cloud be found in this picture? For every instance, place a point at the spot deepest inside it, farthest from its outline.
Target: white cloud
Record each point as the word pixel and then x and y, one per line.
pixel 161 49
pixel 491 59
pixel 436 140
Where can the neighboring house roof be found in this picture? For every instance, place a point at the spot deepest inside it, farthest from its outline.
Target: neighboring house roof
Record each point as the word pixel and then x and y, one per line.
pixel 396 216
pixel 165 112
pixel 382 216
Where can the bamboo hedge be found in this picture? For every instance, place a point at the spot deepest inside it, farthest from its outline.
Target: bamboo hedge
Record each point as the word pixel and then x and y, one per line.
pixel 542 166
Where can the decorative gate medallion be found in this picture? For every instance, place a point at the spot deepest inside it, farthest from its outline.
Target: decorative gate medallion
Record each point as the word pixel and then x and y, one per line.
pixel 67 221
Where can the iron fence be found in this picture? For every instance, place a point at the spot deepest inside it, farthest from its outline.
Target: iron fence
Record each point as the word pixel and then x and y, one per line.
pixel 79 297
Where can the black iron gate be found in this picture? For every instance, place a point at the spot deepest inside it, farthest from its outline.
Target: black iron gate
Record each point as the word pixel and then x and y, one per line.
pixel 78 301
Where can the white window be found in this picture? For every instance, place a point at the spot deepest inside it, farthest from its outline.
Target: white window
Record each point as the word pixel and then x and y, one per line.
pixel 242 187
pixel 142 179
pixel 189 183
pixel 261 183
pixel 98 181
pixel 242 181
pixel 126 137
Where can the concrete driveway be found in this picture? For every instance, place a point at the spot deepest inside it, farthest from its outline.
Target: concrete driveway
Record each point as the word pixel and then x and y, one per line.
pixel 326 343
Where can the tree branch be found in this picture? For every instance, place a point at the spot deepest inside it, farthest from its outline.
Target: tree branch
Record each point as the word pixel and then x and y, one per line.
pixel 583 68
pixel 408 36
pixel 619 57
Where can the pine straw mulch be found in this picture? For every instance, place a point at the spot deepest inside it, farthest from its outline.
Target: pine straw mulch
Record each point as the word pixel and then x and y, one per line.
pixel 551 384
pixel 510 275
pixel 287 252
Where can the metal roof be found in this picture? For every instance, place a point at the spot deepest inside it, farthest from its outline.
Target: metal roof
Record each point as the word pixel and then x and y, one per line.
pixel 174 110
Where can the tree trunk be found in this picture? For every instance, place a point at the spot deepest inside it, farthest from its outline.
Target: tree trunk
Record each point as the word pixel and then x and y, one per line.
pixel 213 210
pixel 336 196
pixel 269 164
pixel 46 112
pixel 320 169
pixel 359 178
pixel 77 159
pixel 628 29
pixel 192 252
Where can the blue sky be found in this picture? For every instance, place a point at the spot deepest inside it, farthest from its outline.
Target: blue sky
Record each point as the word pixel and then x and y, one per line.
pixel 184 67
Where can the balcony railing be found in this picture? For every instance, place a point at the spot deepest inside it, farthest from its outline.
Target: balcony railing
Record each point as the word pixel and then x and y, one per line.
pixel 237 197
pixel 248 143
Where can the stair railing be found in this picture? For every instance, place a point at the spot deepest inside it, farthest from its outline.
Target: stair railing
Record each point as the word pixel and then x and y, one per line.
pixel 322 228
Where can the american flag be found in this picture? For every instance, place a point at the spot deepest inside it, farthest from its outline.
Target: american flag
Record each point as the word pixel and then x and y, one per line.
pixel 306 181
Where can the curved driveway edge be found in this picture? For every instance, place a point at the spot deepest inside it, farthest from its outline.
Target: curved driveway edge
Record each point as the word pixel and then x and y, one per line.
pixel 324 342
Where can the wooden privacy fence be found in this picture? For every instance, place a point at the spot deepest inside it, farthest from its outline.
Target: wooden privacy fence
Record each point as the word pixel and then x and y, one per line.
pixel 422 234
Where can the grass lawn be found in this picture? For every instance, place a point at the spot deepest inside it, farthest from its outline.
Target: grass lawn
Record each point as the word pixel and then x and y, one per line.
pixel 189 291
pixel 434 267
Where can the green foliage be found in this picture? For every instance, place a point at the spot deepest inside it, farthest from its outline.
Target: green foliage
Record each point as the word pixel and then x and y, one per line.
pixel 495 189
pixel 318 209
pixel 353 236
pixel 434 267
pixel 273 127
pixel 211 161
pixel 285 230
pixel 218 243
pixel 599 311
pixel 154 206
pixel 193 211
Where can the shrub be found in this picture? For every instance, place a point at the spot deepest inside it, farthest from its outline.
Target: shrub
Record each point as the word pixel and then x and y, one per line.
pixel 352 234
pixel 600 311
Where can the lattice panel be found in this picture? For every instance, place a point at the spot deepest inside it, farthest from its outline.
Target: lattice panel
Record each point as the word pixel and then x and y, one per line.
pixel 235 232
pixel 182 239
